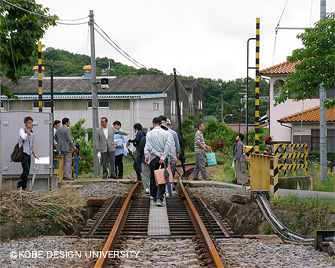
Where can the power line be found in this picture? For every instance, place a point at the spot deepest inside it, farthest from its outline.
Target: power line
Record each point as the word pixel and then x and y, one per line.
pixel 47 17
pixel 118 48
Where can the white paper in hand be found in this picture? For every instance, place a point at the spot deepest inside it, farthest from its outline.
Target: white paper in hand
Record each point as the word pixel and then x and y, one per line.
pixel 42 160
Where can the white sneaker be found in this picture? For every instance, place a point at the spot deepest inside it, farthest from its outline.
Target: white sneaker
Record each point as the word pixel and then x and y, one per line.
pixel 159 203
pixel 147 191
pixel 167 195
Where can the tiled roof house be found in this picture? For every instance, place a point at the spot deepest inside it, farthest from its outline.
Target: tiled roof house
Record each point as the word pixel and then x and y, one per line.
pixel 285 117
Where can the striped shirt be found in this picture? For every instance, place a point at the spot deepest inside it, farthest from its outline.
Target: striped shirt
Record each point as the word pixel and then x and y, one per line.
pixel 199 137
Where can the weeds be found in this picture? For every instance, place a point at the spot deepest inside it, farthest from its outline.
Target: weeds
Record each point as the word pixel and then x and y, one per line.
pixel 60 206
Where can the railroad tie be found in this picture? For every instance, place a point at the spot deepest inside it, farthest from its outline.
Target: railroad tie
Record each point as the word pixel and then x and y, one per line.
pixel 158 220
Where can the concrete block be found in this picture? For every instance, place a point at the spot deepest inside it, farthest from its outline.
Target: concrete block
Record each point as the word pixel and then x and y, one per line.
pixel 239 198
pixel 296 183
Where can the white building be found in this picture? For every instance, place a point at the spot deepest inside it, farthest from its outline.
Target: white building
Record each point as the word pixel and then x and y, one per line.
pixel 130 98
pixel 281 130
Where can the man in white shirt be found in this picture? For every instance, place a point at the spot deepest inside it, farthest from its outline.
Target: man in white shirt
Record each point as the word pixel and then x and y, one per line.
pixel 159 148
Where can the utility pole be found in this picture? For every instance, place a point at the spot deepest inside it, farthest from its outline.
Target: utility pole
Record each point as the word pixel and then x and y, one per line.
pixel 323 120
pixel 95 104
pixel 221 108
pixel 182 147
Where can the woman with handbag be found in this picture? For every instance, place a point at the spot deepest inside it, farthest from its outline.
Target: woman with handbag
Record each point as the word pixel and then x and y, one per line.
pixel 27 141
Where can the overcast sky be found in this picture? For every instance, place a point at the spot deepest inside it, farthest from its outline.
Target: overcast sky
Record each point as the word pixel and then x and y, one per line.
pixel 197 37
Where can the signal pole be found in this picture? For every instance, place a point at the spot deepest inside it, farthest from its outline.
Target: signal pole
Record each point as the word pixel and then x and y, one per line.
pixel 257 89
pixel 95 104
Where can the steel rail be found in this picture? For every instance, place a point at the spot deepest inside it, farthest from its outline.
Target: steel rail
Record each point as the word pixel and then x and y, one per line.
pixel 202 229
pixel 215 217
pixel 116 229
pixel 96 224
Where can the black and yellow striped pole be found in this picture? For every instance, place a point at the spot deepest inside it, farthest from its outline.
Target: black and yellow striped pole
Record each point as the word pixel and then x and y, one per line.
pixel 257 89
pixel 40 103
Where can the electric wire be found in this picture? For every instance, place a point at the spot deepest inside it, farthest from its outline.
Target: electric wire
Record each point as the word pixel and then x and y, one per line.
pixel 119 49
pixel 276 32
pixel 47 17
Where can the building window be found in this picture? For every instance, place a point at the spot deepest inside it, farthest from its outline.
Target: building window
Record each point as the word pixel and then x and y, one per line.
pixel 200 104
pixel 315 140
pixel 46 104
pixel 102 104
pixel 156 106
pixel 181 107
pixel 330 140
pixel 173 107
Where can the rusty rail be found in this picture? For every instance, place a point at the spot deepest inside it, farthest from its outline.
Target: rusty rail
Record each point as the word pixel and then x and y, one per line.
pixel 202 230
pixel 116 229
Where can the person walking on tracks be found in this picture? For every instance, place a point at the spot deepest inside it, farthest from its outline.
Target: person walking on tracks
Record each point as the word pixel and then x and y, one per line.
pixel 200 148
pixel 158 147
pixel 139 134
pixel 106 146
pixel 65 146
pixel 120 140
pixel 26 140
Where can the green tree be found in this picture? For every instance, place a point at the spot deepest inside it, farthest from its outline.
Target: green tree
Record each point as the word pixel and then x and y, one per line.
pixel 316 62
pixel 19 33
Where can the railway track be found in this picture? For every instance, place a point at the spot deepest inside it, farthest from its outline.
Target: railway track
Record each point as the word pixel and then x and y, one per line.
pixel 193 225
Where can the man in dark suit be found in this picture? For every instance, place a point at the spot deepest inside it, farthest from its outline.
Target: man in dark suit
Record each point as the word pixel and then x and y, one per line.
pixel 106 146
pixel 65 145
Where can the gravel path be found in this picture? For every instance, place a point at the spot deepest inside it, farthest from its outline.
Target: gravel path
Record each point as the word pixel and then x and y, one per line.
pixel 211 194
pixel 250 253
pixel 51 252
pixel 104 189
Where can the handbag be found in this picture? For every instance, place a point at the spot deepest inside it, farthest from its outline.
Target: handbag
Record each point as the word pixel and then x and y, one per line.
pixel 17 153
pixel 160 176
pixel 211 159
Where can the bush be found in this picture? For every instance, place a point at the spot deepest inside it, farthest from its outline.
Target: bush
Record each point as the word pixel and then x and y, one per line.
pixel 315 157
pixel 85 161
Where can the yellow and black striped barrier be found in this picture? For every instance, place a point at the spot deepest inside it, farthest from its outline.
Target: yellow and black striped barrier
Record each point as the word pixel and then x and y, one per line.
pixel 39 54
pixel 274 186
pixel 289 152
pixel 249 150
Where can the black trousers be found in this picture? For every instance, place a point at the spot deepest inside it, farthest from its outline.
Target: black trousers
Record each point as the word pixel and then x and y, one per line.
pixel 119 165
pixel 157 192
pixel 26 160
pixel 136 166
